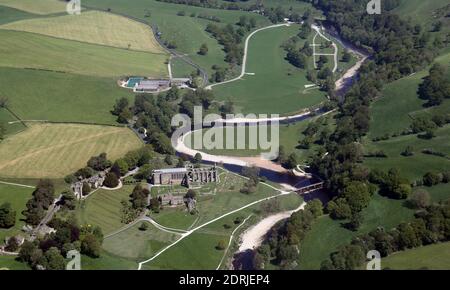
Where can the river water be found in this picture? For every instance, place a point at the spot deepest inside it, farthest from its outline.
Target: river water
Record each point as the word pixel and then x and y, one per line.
pixel 243 259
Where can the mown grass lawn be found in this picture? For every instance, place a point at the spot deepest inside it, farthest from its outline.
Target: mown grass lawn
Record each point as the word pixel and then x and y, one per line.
pixel 8 14
pixel 94 27
pixel 187 32
pixel 327 235
pixel 17 197
pixel 177 218
pixel 136 244
pixel 70 56
pixel 103 209
pixel 5 118
pixel 431 257
pixel 107 261
pixel 37 7
pixel 60 97
pixel 277 87
pixel 55 150
pixel 196 252
pixel 10 263
pixel 289 137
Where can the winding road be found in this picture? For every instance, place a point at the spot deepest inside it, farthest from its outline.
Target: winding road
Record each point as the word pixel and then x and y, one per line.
pixel 244 60
pixel 336 50
pixel 180 147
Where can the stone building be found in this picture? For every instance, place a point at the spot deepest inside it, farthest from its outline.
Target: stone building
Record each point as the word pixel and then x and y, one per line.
pixel 171 200
pixel 185 176
pixel 94 182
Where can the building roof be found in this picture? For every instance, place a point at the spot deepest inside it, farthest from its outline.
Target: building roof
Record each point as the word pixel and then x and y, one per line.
pixel 171 170
pixel 181 80
pixel 151 84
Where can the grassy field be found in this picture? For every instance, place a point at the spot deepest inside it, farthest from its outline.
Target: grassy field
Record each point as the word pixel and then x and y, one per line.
pixel 50 53
pixel 136 244
pixel 400 102
pixel 36 6
pixel 419 11
pixel 439 192
pixel 10 263
pixel 107 261
pixel 17 197
pixel 432 257
pixel 55 150
pixel 198 251
pixel 416 166
pixel 94 27
pixel 5 118
pixel 327 235
pixel 277 86
pixel 181 68
pixel 8 14
pixel 226 198
pixel 59 97
pixel 102 208
pixel 289 137
pixel 187 32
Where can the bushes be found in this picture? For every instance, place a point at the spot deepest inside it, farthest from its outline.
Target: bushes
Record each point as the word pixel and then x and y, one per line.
pixel 43 197
pixel 7 216
pixel 139 197
pixel 49 252
pixel 420 199
pixel 111 180
pixel 99 163
pixel 432 178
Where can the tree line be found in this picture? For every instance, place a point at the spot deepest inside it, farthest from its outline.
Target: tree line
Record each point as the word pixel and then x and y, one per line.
pixel 281 246
pixel 430 226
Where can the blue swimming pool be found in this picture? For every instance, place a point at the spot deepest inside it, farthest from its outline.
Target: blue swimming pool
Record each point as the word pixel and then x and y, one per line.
pixel 133 81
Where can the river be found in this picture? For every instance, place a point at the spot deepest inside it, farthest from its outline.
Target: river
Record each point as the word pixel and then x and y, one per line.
pixel 254 236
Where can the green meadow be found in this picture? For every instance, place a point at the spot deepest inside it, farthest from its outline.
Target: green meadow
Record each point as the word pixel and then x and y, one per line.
pixel 327 235
pixel 187 32
pixel 276 86
pixel 59 97
pixel 36 6
pixel 393 112
pixel 54 54
pixel 107 261
pixel 17 197
pixel 103 209
pixel 226 197
pixel 198 251
pixel 136 244
pixel 8 14
pixel 10 263
pixel 289 137
pixel 419 11
pixel 413 167
pixel 431 257
pixel 5 118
